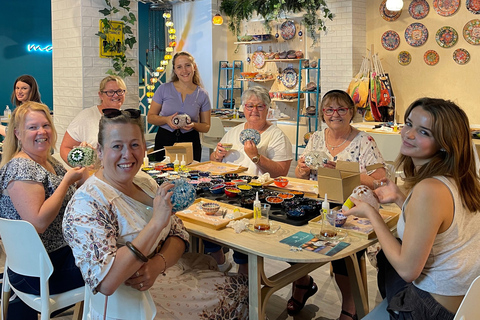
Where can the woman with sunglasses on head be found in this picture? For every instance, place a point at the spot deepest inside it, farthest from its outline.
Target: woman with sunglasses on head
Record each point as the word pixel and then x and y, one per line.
pixel 426 273
pixel 83 130
pixel 273 155
pixel 25 88
pixel 36 188
pixel 184 94
pixel 339 141
pixel 126 238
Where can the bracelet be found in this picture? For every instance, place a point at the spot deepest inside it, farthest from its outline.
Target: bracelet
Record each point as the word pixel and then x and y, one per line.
pixel 165 261
pixel 136 252
pixel 6 128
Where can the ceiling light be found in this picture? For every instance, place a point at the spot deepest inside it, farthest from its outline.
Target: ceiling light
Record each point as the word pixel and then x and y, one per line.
pixel 394 5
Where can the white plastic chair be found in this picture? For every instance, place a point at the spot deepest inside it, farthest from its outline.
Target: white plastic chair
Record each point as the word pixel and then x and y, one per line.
pixel 26 255
pixel 214 135
pixel 124 304
pixel 468 308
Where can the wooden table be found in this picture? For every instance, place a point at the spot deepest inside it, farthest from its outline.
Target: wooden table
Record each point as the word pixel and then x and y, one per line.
pixel 261 246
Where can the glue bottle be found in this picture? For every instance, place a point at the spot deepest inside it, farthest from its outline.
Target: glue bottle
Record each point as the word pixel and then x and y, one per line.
pixel 257 208
pixel 395 126
pixel 8 113
pixel 145 160
pixel 176 163
pixel 183 164
pixel 325 207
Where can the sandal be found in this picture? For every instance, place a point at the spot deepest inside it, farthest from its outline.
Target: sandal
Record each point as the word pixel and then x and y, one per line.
pixel 348 314
pixel 294 306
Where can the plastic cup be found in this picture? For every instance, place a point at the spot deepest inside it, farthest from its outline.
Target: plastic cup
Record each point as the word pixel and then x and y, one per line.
pixel 227 146
pixel 327 231
pixel 262 223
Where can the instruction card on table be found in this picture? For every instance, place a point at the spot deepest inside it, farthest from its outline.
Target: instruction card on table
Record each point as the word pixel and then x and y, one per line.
pixel 308 242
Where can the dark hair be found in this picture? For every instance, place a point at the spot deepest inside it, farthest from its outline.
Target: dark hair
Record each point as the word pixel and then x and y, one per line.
pixel 123 118
pixel 455 157
pixel 196 75
pixel 341 97
pixel 34 91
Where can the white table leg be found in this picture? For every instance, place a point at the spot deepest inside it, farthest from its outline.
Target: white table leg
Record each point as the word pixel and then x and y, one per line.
pixel 254 287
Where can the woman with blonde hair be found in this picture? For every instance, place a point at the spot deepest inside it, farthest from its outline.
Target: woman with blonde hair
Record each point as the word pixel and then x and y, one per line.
pixel 83 130
pixel 27 168
pixel 184 94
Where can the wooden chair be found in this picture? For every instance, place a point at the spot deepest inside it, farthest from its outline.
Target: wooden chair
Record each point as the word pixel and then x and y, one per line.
pixel 26 255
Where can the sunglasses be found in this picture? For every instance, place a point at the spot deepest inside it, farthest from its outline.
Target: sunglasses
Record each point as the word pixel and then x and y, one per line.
pixel 113 113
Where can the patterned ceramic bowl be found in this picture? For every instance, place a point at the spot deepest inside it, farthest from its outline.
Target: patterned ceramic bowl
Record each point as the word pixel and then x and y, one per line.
pixel 250 134
pixel 181 120
pixel 210 208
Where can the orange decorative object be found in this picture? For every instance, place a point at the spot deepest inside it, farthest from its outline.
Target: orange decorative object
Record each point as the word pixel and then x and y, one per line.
pixel 172 44
pixel 217 19
pixel 160 69
pixel 153 80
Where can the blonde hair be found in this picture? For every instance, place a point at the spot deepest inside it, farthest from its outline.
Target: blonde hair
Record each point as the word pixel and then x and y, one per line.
pixel 11 144
pixel 196 75
pixel 117 79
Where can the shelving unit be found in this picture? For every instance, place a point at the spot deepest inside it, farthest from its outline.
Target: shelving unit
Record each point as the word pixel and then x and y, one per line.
pixel 316 93
pixel 229 87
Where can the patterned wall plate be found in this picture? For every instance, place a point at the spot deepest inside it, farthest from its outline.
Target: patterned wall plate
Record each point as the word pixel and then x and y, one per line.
pixel 446 7
pixel 473 6
pixel 390 40
pixel 461 56
pixel 289 77
pixel 387 14
pixel 446 37
pixel 404 58
pixel 288 30
pixel 416 34
pixel 419 9
pixel 471 31
pixel 431 57
pixel 258 59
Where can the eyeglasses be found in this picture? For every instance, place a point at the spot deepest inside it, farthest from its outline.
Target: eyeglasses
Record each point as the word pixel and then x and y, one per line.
pixel 331 111
pixel 111 93
pixel 260 107
pixel 113 113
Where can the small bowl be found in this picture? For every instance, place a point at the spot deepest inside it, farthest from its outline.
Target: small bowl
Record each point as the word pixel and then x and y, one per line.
pixel 232 192
pixel 247 178
pixel 255 184
pixel 286 195
pixel 230 184
pixel 244 187
pixel 247 202
pixel 297 194
pixel 231 176
pixel 248 75
pixel 217 189
pixel 296 214
pixel 274 201
pixel 261 37
pixel 204 174
pixel 280 182
pixel 239 181
pixel 339 221
pixel 210 208
pixel 217 181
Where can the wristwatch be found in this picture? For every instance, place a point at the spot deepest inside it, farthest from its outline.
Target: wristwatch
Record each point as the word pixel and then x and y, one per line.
pixel 256 159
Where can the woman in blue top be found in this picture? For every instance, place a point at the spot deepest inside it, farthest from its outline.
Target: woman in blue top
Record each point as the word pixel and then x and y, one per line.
pixel 182 95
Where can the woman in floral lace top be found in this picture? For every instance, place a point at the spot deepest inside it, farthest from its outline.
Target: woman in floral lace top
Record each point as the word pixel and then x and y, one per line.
pixel 125 238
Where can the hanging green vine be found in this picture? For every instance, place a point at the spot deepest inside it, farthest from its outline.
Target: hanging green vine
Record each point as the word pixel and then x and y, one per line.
pixel 120 62
pixel 243 10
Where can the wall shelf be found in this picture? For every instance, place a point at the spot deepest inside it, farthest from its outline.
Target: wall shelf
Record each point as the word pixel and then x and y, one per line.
pixel 230 73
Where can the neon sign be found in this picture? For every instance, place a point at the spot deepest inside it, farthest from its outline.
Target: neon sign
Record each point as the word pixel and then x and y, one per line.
pixel 36 47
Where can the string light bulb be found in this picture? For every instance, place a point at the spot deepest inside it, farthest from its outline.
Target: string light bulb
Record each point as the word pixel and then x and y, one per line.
pixel 217 19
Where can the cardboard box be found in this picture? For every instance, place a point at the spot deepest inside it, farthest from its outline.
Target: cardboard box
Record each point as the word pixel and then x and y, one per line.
pixel 339 183
pixel 180 148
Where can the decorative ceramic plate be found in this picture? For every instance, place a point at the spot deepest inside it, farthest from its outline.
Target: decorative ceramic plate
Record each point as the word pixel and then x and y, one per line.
pixel 446 7
pixel 416 34
pixel 258 59
pixel 288 30
pixel 250 134
pixel 431 57
pixel 404 58
pixel 289 77
pixel 461 56
pixel 473 6
pixel 387 14
pixel 390 40
pixel 446 37
pixel 471 31
pixel 418 9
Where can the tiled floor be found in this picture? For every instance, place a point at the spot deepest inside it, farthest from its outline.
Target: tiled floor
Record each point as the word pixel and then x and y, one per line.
pixel 324 305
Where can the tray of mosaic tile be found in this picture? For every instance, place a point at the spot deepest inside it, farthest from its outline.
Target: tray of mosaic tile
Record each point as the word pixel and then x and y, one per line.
pixel 195 214
pixel 361 227
pixel 309 187
pixel 217 168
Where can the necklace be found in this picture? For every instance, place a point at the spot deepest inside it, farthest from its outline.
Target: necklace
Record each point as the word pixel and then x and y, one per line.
pixel 341 144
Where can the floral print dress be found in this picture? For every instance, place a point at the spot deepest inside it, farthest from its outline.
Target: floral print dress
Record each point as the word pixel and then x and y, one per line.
pixel 100 218
pixel 362 149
